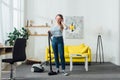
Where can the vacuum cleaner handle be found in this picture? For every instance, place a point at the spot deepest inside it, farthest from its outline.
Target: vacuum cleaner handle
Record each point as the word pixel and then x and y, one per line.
pixel 51 71
pixel 49 36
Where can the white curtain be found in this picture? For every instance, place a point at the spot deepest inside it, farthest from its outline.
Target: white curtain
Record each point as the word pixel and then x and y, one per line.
pixel 11 15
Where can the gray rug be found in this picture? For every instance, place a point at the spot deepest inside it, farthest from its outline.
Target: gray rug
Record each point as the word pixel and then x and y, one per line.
pixel 97 71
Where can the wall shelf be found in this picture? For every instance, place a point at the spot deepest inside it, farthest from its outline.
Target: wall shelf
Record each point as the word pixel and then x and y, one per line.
pixel 42 26
pixel 33 31
pixel 38 34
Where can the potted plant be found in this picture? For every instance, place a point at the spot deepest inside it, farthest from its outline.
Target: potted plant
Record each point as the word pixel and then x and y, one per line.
pixel 12 36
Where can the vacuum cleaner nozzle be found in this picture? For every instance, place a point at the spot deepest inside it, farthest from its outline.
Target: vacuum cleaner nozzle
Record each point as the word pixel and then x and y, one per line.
pixel 52 73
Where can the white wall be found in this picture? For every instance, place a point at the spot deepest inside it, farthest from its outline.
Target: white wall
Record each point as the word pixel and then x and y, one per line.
pixel 97 14
pixel 36 45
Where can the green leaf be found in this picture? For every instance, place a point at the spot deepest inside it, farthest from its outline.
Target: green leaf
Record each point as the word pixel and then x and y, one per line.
pixel 22 33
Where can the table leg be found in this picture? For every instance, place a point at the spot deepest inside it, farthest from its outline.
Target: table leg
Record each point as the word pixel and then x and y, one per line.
pixel 71 64
pixel 86 63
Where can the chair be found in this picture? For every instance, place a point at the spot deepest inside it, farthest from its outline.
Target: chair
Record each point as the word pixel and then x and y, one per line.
pixel 19 54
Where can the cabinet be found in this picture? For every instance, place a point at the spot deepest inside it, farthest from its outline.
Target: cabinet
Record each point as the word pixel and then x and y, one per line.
pixel 37 42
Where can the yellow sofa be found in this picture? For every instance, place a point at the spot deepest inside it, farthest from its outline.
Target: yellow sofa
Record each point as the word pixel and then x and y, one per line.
pixel 79 49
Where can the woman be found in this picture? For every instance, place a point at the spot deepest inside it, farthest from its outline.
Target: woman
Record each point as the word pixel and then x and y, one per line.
pixel 58 43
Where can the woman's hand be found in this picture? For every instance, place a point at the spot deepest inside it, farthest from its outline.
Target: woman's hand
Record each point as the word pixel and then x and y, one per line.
pixel 64 25
pixel 49 32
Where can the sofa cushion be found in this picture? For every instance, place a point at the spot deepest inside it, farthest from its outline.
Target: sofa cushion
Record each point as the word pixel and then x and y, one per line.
pixel 76 48
pixel 84 50
pixel 81 46
pixel 73 49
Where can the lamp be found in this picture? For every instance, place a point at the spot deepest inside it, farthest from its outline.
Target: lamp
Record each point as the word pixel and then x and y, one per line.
pixel 99 49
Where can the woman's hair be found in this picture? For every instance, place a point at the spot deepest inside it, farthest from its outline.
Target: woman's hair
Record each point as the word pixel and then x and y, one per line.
pixel 60 15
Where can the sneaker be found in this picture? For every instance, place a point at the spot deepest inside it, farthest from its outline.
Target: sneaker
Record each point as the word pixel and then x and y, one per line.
pixel 65 74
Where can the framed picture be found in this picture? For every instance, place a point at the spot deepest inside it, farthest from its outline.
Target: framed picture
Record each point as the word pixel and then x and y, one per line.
pixel 74 28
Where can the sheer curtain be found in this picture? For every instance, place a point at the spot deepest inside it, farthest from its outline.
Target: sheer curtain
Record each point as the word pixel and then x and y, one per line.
pixel 11 15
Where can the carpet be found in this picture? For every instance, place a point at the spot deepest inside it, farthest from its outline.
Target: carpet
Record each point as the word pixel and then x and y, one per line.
pixel 97 71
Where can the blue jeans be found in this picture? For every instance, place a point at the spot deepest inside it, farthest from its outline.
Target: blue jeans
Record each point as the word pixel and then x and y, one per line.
pixel 58 49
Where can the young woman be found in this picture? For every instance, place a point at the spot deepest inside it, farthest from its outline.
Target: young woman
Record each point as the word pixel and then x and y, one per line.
pixel 58 43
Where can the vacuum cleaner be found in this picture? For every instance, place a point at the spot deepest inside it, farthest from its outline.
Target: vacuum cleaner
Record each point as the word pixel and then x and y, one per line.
pixel 51 71
pixel 40 67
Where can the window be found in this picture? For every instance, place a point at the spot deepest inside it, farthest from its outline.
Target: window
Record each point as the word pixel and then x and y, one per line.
pixel 11 15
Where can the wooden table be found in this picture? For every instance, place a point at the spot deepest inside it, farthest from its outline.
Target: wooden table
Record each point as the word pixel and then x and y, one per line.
pixel 4 50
